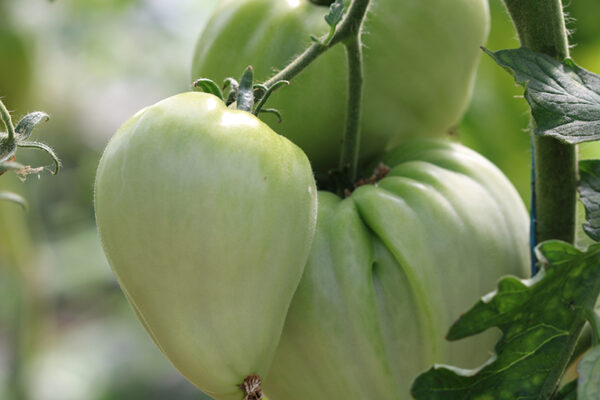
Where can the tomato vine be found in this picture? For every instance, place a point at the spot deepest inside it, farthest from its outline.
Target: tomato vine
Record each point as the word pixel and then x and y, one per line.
pixel 348 31
pixel 541 28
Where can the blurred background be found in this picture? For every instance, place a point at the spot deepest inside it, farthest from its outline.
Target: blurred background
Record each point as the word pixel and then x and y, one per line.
pixel 66 331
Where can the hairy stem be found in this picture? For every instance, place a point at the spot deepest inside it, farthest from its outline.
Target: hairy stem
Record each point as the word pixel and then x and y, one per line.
pixel 348 28
pixel 5 115
pixel 541 28
pixel 351 141
pixel 298 64
pixel 348 32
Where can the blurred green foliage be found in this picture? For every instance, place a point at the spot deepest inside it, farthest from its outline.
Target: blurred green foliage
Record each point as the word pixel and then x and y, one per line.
pixel 66 331
pixel 15 60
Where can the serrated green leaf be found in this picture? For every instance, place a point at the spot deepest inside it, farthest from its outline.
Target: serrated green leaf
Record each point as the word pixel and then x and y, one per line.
pixel 564 98
pixel 589 192
pixel 540 320
pixel 588 384
pixel 28 122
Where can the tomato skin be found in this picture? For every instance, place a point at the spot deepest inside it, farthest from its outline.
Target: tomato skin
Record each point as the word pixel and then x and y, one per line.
pixel 206 217
pixel 391 267
pixel 420 58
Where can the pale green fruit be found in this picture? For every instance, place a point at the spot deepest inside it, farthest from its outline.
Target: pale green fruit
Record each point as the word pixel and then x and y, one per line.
pixel 420 59
pixel 391 267
pixel 206 217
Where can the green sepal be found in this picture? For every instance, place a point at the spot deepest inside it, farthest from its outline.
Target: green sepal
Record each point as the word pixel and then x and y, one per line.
pixel 28 123
pixel 47 149
pixel 208 86
pixel 245 92
pixel 267 93
pixel 233 88
pixel 273 111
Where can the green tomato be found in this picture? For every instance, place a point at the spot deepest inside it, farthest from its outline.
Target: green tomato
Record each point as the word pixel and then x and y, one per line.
pixel 420 58
pixel 391 267
pixel 206 217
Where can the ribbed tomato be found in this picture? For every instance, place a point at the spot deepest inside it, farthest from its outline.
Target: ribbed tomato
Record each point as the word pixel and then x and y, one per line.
pixel 391 267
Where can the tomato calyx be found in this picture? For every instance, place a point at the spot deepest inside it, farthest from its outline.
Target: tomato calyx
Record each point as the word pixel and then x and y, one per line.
pixel 11 140
pixel 244 95
pixel 17 137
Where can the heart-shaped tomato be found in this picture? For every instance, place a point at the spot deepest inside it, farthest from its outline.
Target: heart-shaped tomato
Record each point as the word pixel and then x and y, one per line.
pixel 206 216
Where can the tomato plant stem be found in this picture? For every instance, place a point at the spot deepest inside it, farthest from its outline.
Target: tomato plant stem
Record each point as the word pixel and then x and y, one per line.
pixel 351 141
pixel 7 122
pixel 298 64
pixel 348 28
pixel 541 27
pixel 348 32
